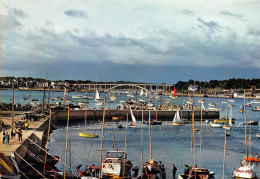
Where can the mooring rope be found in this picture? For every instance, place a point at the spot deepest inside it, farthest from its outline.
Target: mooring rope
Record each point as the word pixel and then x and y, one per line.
pixel 30 165
pixel 48 153
pixel 36 158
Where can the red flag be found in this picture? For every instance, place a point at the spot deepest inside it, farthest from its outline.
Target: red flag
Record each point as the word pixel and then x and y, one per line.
pixel 175 93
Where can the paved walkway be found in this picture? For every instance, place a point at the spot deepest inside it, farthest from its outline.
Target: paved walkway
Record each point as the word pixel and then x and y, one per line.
pixel 14 143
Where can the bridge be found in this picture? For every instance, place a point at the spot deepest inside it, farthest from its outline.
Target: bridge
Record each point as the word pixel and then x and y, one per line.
pixel 106 87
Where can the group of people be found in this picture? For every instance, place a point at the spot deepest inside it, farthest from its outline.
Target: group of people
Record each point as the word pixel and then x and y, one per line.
pixel 92 171
pixel 7 136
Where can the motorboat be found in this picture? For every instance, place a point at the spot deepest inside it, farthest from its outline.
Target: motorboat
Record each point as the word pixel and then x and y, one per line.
pixel 244 171
pixel 216 124
pixel 116 164
pixel 257 108
pixel 194 172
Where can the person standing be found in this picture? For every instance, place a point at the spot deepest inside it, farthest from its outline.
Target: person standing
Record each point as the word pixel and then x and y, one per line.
pixel 20 137
pixel 6 137
pixel 174 169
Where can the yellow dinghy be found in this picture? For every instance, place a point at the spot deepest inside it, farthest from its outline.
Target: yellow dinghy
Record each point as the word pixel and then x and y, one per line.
pixel 88 135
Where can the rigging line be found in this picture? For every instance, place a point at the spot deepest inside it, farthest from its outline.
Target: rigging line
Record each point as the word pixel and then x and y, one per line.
pixel 47 152
pixel 36 158
pixel 90 147
pixel 29 165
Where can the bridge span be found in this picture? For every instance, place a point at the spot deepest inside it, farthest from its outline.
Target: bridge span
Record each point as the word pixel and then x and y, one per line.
pixel 106 87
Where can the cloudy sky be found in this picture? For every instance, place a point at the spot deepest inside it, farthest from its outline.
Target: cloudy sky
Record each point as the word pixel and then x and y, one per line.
pixel 158 41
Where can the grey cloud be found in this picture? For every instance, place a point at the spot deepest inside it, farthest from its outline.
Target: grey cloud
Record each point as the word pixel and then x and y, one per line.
pixel 110 41
pixel 76 13
pixel 17 12
pixel 255 32
pixel 211 24
pixel 187 12
pixel 227 13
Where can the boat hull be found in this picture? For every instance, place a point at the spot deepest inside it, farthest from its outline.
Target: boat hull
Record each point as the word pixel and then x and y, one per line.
pixel 88 135
pixel 252 159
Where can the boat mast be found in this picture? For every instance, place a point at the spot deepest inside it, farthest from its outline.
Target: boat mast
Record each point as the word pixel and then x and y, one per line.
pixel 142 133
pixel 150 137
pixel 43 97
pixel 193 131
pixel 86 120
pixel 125 142
pixel 245 126
pixel 12 105
pixel 67 142
pixel 250 137
pixel 46 147
pixel 103 124
pixel 200 131
pixel 225 140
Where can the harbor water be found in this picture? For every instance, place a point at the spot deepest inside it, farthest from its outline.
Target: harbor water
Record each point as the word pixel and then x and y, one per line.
pixel 170 144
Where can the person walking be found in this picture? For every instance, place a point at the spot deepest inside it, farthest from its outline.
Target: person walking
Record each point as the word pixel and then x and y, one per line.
pixel 3 133
pixel 174 169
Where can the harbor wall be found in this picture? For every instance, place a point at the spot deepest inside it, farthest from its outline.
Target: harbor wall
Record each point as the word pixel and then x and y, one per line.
pixel 97 114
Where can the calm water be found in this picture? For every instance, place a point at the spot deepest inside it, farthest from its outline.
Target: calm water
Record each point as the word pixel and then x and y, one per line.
pixel 170 144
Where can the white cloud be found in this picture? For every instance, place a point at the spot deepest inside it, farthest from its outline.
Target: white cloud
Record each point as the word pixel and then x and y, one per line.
pixel 180 32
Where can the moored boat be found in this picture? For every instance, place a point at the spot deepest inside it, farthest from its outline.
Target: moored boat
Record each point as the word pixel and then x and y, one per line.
pixel 116 165
pixel 194 172
pixel 252 159
pixel 88 135
pixel 177 120
pixel 244 171
pixel 133 124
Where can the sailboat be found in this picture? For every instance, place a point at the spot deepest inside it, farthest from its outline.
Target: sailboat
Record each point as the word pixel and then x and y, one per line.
pixel 228 126
pixel 195 172
pixel 142 92
pixel 133 124
pixel 151 167
pixel 97 98
pixel 86 134
pixel 177 120
pixel 244 170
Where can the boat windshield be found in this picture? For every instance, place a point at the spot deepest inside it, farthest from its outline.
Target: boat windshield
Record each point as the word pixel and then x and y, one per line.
pixel 116 155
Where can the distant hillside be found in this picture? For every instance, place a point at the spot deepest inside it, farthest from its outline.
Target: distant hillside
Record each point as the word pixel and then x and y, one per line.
pixel 224 84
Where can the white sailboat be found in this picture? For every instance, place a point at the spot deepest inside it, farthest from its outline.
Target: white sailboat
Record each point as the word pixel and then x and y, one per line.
pixel 245 169
pixel 142 92
pixel 133 124
pixel 97 96
pixel 177 120
pixel 228 126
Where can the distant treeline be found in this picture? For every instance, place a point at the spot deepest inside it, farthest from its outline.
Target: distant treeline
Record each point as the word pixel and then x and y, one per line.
pixel 223 84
